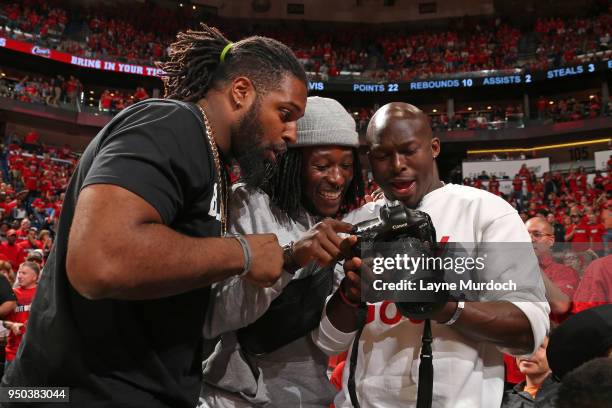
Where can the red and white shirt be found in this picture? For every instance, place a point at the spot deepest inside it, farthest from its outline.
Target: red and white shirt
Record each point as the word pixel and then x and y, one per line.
pixel 467 372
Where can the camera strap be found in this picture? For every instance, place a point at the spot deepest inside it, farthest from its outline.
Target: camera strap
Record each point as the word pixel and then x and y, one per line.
pixel 362 313
pixel 425 387
pixel 425 390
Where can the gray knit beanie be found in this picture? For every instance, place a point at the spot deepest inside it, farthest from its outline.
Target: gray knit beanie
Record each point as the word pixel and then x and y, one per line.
pixel 326 122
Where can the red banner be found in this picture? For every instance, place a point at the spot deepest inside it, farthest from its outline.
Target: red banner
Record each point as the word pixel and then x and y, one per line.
pixel 66 58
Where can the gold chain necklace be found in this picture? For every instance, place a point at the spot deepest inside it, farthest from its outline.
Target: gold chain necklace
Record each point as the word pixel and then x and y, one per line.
pixel 223 187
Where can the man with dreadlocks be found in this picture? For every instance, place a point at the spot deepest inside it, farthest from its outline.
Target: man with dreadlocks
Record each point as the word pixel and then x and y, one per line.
pixel 265 356
pixel 120 308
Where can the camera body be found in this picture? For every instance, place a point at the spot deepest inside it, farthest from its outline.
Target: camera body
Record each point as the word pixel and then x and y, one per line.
pixel 402 230
pixel 394 223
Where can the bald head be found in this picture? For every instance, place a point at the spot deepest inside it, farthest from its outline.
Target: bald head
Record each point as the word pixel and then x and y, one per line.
pixel 402 153
pixel 539 224
pixel 398 114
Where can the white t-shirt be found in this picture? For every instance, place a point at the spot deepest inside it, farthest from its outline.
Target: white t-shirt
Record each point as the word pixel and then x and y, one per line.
pixel 467 373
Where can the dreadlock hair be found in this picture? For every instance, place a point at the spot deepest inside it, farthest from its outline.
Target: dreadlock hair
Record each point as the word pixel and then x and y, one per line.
pixel 284 186
pixel 194 65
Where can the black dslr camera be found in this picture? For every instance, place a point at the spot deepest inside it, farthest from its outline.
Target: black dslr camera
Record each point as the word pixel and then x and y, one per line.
pixel 402 231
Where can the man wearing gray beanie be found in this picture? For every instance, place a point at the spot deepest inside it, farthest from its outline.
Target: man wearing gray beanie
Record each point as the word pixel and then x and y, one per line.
pixel 262 352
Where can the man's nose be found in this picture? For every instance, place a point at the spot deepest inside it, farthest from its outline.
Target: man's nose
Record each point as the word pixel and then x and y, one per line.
pixel 290 134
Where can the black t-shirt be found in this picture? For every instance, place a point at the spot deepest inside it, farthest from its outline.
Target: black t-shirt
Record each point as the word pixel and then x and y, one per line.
pixel 114 353
pixel 6 292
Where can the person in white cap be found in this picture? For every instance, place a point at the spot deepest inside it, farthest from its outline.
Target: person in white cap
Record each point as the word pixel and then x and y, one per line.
pixel 264 354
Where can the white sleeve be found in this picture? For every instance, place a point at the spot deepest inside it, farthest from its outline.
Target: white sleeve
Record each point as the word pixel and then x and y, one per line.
pixel 329 339
pixel 537 313
pixel 511 257
pixel 236 303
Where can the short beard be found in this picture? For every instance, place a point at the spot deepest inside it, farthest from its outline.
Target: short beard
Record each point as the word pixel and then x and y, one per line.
pixel 255 168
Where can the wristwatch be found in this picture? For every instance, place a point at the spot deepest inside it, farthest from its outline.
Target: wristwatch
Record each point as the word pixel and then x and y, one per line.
pixel 289 263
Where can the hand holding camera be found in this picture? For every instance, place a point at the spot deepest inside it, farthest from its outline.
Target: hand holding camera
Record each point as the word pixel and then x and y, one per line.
pixel 350 286
pixel 398 232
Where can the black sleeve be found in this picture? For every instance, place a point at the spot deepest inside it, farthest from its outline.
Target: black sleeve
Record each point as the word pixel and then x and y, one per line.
pixel 6 293
pixel 158 151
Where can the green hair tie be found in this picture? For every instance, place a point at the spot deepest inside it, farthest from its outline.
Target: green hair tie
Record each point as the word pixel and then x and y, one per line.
pixel 225 51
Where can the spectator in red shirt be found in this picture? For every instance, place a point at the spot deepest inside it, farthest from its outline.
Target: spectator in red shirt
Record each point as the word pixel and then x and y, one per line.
pixel 30 141
pixel 30 179
pixel 596 232
pixel 45 185
pixel 596 286
pixel 524 172
pixel 57 206
pixel 16 164
pixel 72 88
pixel 24 228
pixel 581 180
pixel 541 104
pixel 571 182
pixel 560 281
pixel 141 94
pixel 16 322
pixel 46 162
pixel 7 204
pixel 11 251
pixel 587 211
pixel 517 190
pixel 105 101
pixel 30 243
pixel 494 185
pixel 577 233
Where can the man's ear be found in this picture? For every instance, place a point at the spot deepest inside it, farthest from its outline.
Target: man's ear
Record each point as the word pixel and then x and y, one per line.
pixel 435 147
pixel 242 93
